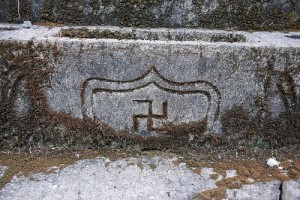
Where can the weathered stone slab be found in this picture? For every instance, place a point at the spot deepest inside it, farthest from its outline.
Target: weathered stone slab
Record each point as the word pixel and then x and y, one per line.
pixel 157 83
pixel 166 82
pixel 291 190
pixel 258 191
pixel 134 178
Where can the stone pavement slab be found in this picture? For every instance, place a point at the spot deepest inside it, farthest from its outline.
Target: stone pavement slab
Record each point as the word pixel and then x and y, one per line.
pixel 291 190
pixel 145 178
pixel 263 191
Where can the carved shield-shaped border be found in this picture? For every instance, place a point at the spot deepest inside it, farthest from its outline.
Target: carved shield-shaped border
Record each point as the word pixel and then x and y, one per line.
pixel 95 85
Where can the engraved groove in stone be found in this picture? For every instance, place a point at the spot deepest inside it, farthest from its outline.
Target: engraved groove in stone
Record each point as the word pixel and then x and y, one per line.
pixel 93 86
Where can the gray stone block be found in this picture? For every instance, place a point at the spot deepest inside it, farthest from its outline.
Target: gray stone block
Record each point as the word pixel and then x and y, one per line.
pixel 152 82
pixel 258 191
pixel 27 24
pixel 291 190
pixel 134 178
pixel 133 85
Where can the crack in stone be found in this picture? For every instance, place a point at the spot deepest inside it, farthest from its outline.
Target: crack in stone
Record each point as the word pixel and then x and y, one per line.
pixel 281 191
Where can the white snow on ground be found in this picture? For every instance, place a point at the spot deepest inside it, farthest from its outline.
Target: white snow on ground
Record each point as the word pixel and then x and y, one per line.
pixel 25 34
pixel 272 162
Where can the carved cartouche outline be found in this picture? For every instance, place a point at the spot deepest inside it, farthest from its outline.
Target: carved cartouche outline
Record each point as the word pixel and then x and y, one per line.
pixel 92 86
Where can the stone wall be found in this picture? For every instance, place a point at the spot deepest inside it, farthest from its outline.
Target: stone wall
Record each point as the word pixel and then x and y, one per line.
pixel 298 9
pixel 220 14
pixel 15 11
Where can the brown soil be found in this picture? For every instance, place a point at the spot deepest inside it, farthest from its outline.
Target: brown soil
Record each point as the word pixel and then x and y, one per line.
pixel 248 172
pixel 250 166
pixel 49 24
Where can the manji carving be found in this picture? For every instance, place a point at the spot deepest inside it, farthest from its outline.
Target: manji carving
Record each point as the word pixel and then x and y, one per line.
pixel 150 115
pixel 101 87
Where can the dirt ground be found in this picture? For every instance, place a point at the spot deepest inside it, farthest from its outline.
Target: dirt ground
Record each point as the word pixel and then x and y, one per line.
pixel 250 164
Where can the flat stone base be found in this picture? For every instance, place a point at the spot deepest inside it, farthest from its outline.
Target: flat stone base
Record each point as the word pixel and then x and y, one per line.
pixel 143 178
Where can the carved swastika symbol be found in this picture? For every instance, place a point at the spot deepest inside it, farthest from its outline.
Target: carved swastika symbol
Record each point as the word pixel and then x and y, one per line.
pixel 150 116
pixel 109 100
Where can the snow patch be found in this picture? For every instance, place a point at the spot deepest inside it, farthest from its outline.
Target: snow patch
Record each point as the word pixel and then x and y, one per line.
pixel 272 162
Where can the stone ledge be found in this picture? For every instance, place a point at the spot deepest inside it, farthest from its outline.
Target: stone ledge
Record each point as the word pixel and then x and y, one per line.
pixel 161 35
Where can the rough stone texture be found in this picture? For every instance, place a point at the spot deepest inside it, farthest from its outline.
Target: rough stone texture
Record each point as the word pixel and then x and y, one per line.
pixel 171 85
pixel 9 11
pixel 145 178
pixel 234 14
pixel 3 11
pixel 28 10
pixel 258 191
pixel 291 190
pixel 215 77
pixel 139 178
pixel 3 170
pixel 298 9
